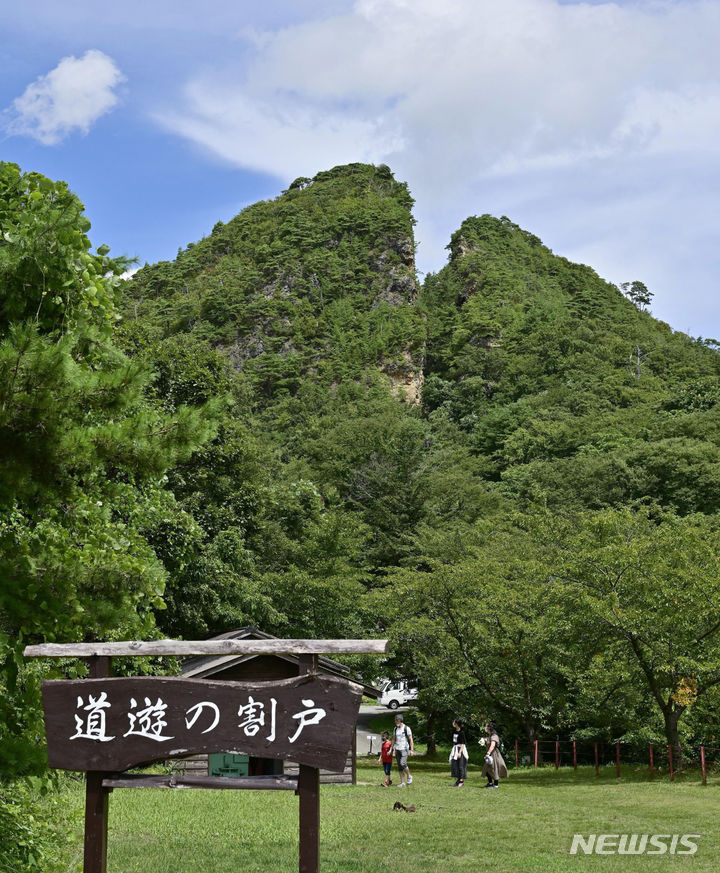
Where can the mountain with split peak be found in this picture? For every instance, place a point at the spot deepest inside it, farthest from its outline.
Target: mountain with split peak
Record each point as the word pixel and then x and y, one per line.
pixel 559 387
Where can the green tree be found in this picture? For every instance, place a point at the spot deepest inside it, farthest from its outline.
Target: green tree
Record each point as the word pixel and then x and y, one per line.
pixel 84 451
pixel 638 293
pixel 649 582
pixel 486 633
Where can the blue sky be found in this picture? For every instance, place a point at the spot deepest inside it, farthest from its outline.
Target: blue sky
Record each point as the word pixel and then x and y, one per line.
pixel 594 125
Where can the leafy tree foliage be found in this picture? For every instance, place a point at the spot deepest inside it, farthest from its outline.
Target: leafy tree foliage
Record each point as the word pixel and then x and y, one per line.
pixel 285 286
pixel 637 292
pixel 566 390
pixel 652 582
pixel 84 451
pixel 485 631
pixel 326 505
pixel 296 312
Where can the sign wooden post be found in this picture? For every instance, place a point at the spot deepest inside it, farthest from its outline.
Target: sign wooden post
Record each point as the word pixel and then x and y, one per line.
pixel 96 799
pixel 103 725
pixel 309 798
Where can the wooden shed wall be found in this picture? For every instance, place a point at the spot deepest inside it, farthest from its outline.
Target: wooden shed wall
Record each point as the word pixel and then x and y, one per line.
pixel 198 765
pixel 265 668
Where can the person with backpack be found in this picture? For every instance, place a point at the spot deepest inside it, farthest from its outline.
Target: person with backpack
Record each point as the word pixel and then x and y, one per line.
pixel 494 768
pixel 402 744
pixel 458 755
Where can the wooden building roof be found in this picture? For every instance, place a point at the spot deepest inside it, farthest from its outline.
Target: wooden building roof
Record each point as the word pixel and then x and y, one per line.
pixel 275 666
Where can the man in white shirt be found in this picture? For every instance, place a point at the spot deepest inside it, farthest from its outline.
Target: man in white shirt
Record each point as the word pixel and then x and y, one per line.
pixel 402 747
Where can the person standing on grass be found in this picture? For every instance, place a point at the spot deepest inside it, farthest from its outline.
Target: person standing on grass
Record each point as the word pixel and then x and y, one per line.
pixel 403 746
pixel 459 754
pixel 494 767
pixel 385 758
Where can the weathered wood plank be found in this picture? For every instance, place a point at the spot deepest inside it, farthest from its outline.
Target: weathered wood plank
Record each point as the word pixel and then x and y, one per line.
pixel 174 780
pixel 182 648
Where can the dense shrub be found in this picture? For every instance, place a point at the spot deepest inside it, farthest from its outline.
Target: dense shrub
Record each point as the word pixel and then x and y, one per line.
pixel 30 838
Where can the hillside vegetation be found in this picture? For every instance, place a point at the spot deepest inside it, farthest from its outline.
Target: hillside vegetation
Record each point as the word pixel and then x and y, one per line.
pixel 416 460
pixel 512 470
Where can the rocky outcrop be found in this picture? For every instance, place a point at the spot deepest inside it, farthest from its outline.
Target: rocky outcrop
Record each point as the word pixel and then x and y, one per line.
pixel 406 378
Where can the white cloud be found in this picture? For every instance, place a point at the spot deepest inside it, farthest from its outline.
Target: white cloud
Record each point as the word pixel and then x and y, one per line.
pixel 70 97
pixel 263 132
pixel 589 123
pixel 460 89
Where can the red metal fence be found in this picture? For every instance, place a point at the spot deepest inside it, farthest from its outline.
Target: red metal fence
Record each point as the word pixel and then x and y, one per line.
pixel 656 757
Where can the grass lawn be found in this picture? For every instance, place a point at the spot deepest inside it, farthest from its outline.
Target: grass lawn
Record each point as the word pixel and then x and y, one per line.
pixel 526 825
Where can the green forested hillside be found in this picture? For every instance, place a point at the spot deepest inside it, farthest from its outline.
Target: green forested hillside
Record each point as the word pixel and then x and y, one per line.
pixel 511 470
pixel 414 461
pixel 319 282
pixel 301 315
pixel 569 392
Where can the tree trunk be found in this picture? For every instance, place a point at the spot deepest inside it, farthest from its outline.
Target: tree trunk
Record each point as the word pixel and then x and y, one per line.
pixel 672 719
pixel 531 734
pixel 430 731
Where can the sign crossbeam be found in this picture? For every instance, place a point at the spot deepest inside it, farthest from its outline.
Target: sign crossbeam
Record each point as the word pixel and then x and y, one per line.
pixel 183 648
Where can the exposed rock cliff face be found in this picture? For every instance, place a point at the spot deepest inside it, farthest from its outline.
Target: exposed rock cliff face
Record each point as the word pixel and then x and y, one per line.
pixel 404 370
pixel 400 282
pixel 406 378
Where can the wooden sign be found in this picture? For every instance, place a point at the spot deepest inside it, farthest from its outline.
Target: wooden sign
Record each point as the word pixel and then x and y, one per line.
pixel 113 724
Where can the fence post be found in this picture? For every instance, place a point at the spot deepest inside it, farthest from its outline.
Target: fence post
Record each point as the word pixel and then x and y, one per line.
pixel 536 752
pixel 574 755
pixel 557 754
pixel 670 760
pixel 617 759
pixel 702 764
pixel 517 764
pixel 597 763
pixel 652 761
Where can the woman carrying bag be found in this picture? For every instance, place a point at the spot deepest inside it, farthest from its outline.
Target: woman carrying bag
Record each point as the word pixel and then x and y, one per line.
pixel 494 768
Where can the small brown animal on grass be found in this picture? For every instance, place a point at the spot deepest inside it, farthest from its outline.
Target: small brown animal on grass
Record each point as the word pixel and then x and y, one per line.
pixel 398 806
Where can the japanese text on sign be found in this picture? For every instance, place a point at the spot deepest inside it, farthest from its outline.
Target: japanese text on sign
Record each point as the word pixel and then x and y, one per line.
pixel 112 724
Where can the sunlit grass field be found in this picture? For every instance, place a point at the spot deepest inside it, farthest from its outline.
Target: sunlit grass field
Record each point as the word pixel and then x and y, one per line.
pixel 526 825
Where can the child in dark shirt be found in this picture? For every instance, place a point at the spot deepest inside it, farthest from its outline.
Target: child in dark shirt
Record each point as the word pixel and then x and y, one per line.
pixel 385 758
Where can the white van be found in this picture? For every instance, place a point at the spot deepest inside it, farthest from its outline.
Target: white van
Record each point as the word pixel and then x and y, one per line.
pixel 397 693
